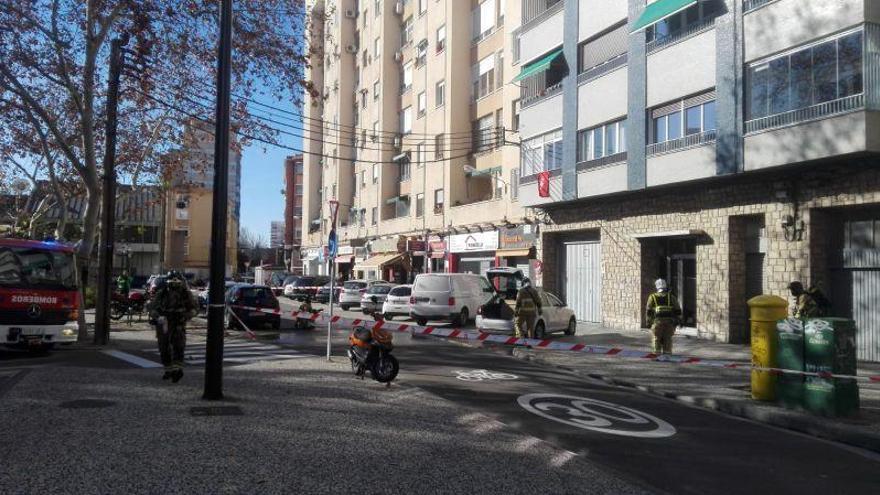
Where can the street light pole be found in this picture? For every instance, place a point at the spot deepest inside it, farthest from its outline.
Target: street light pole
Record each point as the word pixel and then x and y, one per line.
pixel 332 248
pixel 216 303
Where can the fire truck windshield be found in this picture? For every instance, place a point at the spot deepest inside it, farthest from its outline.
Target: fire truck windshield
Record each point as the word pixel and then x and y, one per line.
pixel 35 268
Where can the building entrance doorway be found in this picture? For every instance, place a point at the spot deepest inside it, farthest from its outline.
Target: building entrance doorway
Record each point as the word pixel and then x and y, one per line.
pixel 681 275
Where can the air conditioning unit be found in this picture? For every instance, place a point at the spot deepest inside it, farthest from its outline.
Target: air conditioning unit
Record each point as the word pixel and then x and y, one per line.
pixel 398 8
pixel 351 48
pixel 351 13
pixel 398 56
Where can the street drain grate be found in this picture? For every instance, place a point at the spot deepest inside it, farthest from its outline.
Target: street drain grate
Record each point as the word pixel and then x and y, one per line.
pixel 216 411
pixel 87 404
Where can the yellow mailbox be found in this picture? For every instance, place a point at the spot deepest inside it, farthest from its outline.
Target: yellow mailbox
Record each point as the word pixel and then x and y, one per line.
pixel 764 312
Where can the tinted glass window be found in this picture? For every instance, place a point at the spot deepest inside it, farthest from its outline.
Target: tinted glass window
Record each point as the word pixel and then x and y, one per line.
pixel 256 295
pixel 401 291
pixel 431 283
pixel 380 289
pixel 354 285
pixel 304 282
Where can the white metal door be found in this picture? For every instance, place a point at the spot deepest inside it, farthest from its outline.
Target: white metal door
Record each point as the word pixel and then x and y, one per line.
pixel 583 280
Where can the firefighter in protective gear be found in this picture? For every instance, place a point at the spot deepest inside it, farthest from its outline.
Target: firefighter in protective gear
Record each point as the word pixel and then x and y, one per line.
pixel 526 310
pixel 172 306
pixel 663 314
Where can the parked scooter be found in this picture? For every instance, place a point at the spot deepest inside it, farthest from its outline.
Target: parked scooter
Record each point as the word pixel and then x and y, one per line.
pixel 371 351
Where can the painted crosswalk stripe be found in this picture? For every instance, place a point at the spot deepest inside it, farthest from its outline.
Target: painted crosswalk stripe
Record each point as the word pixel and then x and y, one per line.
pixel 238 352
pixel 131 358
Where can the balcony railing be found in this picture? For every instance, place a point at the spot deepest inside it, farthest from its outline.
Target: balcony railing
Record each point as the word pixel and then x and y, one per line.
pixel 601 162
pixel 683 143
pixel 544 93
pixel 749 5
pixel 533 11
pixel 603 68
pixel 675 37
pixel 822 110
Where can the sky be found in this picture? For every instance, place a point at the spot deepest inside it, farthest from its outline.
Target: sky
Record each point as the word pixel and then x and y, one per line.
pixel 262 178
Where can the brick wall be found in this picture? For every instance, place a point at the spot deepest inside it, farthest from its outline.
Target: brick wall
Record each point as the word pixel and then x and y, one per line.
pixel 713 207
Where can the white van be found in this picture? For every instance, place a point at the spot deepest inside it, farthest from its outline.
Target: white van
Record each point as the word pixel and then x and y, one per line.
pixel 451 297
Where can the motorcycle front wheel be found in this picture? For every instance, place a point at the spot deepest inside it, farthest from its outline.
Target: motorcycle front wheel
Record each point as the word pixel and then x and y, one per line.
pixel 385 369
pixel 117 311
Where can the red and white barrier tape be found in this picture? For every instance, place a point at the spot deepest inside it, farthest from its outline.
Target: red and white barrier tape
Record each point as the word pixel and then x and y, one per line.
pixel 455 333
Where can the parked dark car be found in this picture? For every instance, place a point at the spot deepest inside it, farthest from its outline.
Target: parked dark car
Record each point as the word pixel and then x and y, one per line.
pixel 298 288
pixel 251 296
pixel 323 295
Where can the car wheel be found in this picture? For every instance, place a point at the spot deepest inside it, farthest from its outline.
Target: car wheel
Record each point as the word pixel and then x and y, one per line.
pixel 540 332
pixel 388 316
pixel 344 307
pixel 462 319
pixel 421 322
pixel 572 327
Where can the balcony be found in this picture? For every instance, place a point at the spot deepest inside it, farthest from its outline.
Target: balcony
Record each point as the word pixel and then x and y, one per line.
pixel 815 112
pixel 602 69
pixel 541 94
pixel 534 11
pixel 750 5
pixel 663 41
pixel 683 143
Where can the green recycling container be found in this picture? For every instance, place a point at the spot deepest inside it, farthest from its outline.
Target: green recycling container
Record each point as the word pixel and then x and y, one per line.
pixel 830 347
pixel 790 356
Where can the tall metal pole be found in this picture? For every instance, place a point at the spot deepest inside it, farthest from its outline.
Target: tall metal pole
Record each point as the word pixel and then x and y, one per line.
pixel 108 199
pixel 216 303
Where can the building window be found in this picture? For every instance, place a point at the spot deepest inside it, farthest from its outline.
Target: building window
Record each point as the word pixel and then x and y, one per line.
pixel 541 153
pixel 422 53
pixel 362 214
pixel 601 141
pixel 809 76
pixel 377 7
pixel 406 34
pixel 439 143
pixel 364 60
pixel 420 155
pixel 685 21
pixel 484 77
pixel 376 90
pixel 404 169
pixel 375 215
pixel 438 201
pixel 377 48
pixel 484 19
pixel 684 118
pixel 440 93
pixel 420 204
pixel 514 124
pixel 484 133
pixel 544 83
pixel 498 190
pixel 514 184
pixel 375 173
pixel 422 104
pixel 375 136
pixel 406 120
pixel 441 39
pixel 423 6
pixel 407 77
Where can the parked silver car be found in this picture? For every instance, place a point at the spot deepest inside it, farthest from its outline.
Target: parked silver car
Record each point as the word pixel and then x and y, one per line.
pixel 397 303
pixel 497 315
pixel 354 290
pixel 373 299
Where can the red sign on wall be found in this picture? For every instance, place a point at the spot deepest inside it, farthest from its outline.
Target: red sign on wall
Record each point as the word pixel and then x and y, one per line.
pixel 544 184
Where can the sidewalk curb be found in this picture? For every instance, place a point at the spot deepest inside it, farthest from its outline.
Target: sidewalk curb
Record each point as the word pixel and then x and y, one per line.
pixel 782 418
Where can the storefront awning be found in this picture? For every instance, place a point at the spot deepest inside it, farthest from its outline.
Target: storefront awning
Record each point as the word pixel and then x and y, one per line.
pixel 510 253
pixel 671 233
pixel 379 261
pixel 659 10
pixel 539 65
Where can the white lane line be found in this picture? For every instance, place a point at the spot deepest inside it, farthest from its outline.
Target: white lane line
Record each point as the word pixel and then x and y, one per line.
pixel 250 359
pixel 132 359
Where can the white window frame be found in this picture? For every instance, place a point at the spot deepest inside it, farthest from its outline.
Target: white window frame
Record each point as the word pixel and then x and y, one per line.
pixel 441 39
pixel 407 76
pixel 619 145
pixel 377 48
pixel 440 93
pixel 406 120
pixel 484 77
pixel 532 156
pixel 376 89
pixel 421 104
pixel 375 173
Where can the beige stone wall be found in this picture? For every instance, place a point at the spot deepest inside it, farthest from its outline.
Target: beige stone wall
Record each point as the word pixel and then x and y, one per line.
pixel 714 208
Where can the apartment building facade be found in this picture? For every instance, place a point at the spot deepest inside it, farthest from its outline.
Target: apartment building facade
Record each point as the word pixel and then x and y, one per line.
pixel 407 135
pixel 729 146
pixel 293 212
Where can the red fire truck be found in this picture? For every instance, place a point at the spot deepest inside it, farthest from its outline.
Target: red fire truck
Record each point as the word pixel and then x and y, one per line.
pixel 39 306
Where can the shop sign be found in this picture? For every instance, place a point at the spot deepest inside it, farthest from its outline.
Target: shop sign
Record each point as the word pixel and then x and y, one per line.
pixel 416 247
pixel 343 251
pixel 312 253
pixel 522 237
pixel 477 241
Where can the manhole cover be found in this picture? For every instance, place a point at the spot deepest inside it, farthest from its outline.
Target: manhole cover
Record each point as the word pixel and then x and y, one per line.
pixel 87 404
pixel 216 411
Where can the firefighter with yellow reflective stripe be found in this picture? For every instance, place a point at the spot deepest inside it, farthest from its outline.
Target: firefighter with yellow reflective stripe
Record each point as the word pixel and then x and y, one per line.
pixel 663 314
pixel 526 310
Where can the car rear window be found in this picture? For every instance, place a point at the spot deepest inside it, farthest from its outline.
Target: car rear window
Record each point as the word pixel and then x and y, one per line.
pixel 355 285
pixel 400 291
pixel 256 295
pixel 431 283
pixel 304 282
pixel 380 289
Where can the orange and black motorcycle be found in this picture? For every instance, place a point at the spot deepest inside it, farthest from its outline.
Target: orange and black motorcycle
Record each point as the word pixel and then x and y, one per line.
pixel 371 351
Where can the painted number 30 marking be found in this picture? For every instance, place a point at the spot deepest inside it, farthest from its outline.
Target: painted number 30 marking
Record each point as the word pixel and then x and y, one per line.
pixel 596 415
pixel 480 375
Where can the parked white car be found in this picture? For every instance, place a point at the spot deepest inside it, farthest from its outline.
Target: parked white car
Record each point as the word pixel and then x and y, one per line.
pixel 354 290
pixel 451 297
pixel 374 298
pixel 497 315
pixel 397 302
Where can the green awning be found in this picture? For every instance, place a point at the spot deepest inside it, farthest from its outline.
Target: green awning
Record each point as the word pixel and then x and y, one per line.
pixel 484 172
pixel 539 65
pixel 659 10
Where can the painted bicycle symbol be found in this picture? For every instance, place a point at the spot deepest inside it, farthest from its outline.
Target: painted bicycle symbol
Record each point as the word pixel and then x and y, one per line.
pixel 480 375
pixel 596 415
